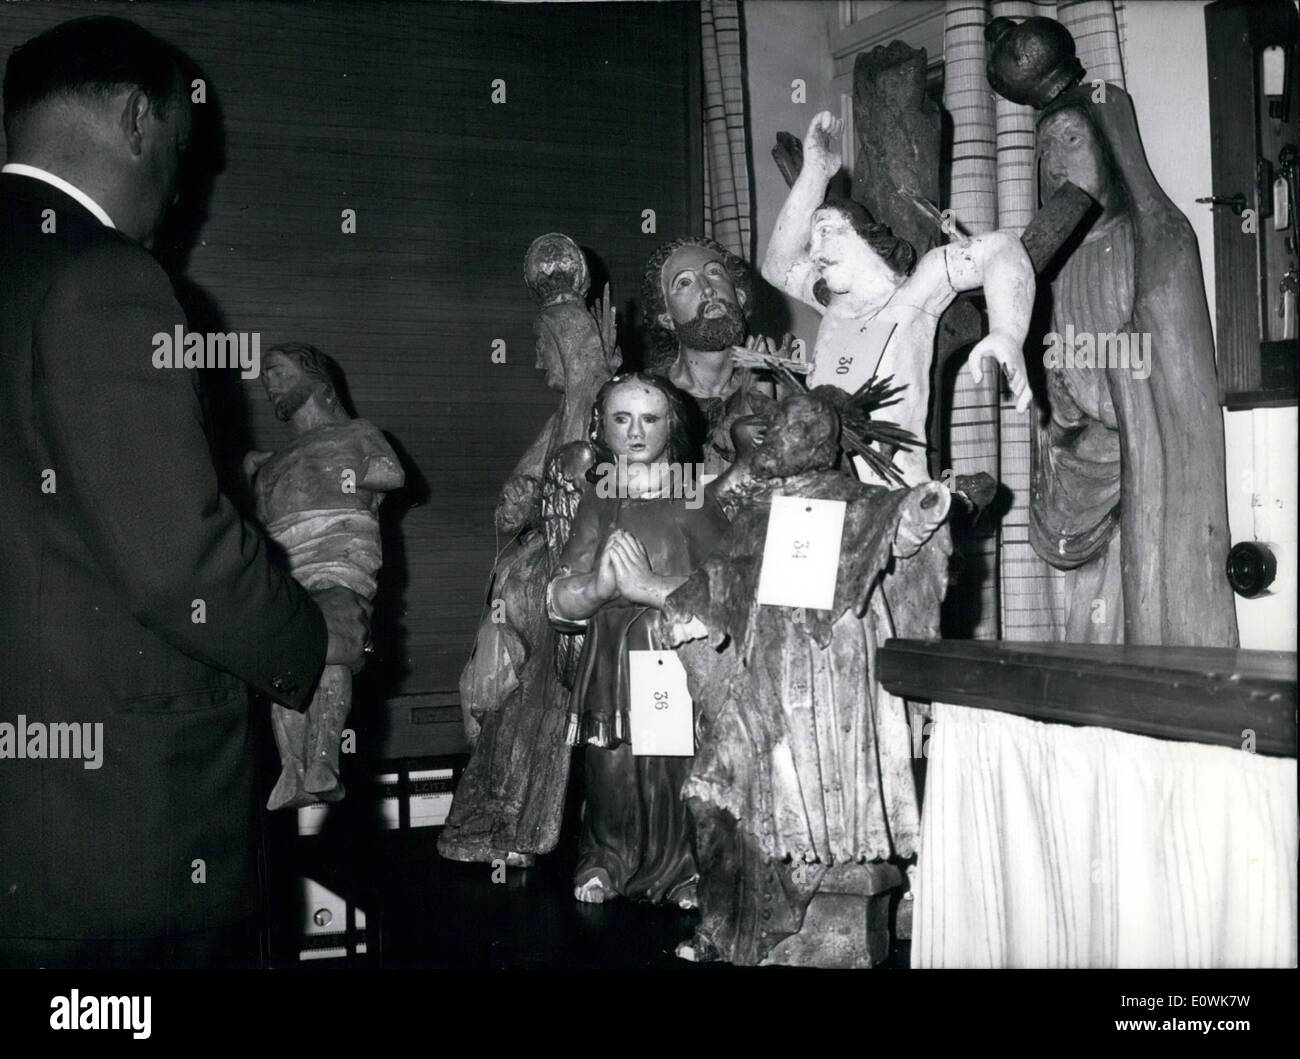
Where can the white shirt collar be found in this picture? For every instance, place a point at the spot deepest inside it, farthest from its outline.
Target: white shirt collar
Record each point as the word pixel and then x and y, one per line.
pixel 68 189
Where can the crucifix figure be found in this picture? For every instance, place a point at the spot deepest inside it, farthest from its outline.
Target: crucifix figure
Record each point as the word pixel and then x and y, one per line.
pixel 880 306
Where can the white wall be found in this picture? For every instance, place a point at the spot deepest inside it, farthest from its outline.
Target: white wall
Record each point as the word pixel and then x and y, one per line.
pixel 785 41
pixel 1171 95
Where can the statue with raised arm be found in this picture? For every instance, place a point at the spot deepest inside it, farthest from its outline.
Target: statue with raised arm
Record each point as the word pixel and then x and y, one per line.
pixel 880 306
pixel 515 687
pixel 318 498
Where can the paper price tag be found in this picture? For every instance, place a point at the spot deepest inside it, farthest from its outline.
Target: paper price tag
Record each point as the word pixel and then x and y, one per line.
pixel 849 371
pixel 662 716
pixel 801 555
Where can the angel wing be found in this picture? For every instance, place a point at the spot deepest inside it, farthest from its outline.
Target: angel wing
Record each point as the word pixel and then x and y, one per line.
pixel 563 483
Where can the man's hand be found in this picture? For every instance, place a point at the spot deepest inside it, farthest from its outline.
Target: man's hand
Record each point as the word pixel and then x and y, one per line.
pixel 819 146
pixel 347 619
pixel 519 503
pixel 1008 352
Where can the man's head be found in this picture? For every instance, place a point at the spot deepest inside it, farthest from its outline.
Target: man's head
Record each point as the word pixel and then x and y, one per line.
pixel 852 252
pixel 101 102
pixel 697 294
pixel 292 373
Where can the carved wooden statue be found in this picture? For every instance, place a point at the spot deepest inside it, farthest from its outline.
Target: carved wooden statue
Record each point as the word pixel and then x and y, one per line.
pixel 1128 460
pixel 319 498
pixel 880 306
pixel 514 690
pixel 631 545
pixel 802 784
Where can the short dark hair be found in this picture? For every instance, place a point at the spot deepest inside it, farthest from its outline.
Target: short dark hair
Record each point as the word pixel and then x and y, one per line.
pixel 90 58
pixel 896 252
pixel 664 345
pixel 310 359
pixel 685 436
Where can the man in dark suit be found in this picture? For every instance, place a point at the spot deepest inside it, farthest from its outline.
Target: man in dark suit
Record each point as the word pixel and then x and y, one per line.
pixel 136 602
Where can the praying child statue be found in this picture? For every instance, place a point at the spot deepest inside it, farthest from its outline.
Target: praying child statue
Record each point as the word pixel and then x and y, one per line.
pixel 318 498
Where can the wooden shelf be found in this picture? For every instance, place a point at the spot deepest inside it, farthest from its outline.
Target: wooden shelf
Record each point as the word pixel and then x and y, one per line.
pixel 1198 694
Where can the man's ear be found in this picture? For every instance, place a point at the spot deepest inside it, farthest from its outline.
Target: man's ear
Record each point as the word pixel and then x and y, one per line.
pixel 741 298
pixel 135 111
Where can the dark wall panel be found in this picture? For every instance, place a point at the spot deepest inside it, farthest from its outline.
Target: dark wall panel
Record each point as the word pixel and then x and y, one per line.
pixel 385 108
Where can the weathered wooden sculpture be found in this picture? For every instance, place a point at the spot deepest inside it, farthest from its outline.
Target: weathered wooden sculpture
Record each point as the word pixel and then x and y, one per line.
pixel 1128 485
pixel 319 498
pixel 880 306
pixel 631 545
pixel 802 787
pixel 514 689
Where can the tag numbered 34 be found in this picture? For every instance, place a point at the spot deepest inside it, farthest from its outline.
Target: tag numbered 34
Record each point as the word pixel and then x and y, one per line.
pixel 662 715
pixel 801 556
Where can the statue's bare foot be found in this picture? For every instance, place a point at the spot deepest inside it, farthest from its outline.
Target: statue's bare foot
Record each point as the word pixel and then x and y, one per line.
pixel 595 889
pixel 520 860
pixel 323 781
pixel 698 950
pixel 683 895
pixel 288 792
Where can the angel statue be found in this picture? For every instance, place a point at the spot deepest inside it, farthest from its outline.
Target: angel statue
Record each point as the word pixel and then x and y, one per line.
pixel 514 689
pixel 629 548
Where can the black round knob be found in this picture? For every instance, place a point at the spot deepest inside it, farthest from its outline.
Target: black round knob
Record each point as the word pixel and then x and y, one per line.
pixel 1251 568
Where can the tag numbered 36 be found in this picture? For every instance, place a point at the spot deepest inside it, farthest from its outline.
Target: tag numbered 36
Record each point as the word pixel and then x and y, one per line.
pixel 662 716
pixel 801 556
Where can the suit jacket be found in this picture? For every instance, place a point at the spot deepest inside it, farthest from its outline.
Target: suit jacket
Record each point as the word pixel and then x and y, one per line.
pixel 113 529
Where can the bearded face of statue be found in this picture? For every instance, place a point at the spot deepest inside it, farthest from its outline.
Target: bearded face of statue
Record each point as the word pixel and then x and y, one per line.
pixel 1068 149
pixel 286 384
pixel 704 308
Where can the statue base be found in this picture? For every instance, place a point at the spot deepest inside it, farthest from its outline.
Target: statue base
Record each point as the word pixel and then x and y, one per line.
pixel 847 922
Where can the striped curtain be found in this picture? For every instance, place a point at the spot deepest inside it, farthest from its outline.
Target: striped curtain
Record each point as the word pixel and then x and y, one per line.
pixel 973 429
pixel 994 184
pixel 726 159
